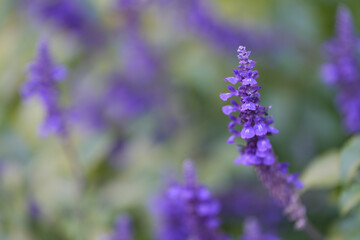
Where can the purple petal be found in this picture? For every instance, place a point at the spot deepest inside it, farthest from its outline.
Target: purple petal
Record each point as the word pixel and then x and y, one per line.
pixel 263 144
pixel 204 194
pixel 231 125
pixel 260 129
pixel 269 159
pixel 261 154
pixel 203 210
pixel 273 130
pixel 248 106
pixel 226 96
pixel 231 88
pixel 247 159
pixel 329 73
pixel 212 223
pixel 247 132
pixel 228 109
pixel 59 73
pixel 231 139
pixel 249 81
pixel 283 167
pixel 232 80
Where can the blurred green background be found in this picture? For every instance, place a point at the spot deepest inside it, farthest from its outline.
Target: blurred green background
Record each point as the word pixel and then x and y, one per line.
pixel 35 169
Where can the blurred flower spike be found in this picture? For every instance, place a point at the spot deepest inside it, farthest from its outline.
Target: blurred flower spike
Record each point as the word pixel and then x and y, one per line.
pixel 342 69
pixel 42 79
pixel 188 211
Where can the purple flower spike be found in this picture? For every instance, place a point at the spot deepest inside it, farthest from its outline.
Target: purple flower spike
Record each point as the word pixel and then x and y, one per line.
pixel 188 211
pixel 342 69
pixel 252 116
pixel 258 150
pixel 43 76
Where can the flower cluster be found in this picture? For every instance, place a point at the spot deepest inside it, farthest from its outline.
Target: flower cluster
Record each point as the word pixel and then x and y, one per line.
pixel 43 77
pixel 342 69
pixel 189 210
pixel 256 127
pixel 252 116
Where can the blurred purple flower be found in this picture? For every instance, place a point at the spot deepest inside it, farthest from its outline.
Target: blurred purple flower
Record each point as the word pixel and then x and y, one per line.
pixel 169 215
pixel 137 87
pixel 248 200
pixel 122 229
pixel 33 210
pixel 201 209
pixel 200 18
pixel 71 16
pixel 253 231
pixel 256 128
pixel 43 77
pixel 342 69
pixel 188 211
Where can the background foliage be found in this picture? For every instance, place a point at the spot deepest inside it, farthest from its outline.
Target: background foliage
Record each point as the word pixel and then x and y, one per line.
pixel 34 171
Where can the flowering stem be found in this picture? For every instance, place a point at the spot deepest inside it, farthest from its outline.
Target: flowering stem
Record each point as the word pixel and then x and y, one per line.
pixel 312 232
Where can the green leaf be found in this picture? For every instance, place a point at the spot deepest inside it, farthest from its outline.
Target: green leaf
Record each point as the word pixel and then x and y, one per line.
pixel 347 227
pixel 349 198
pixel 350 160
pixel 323 172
